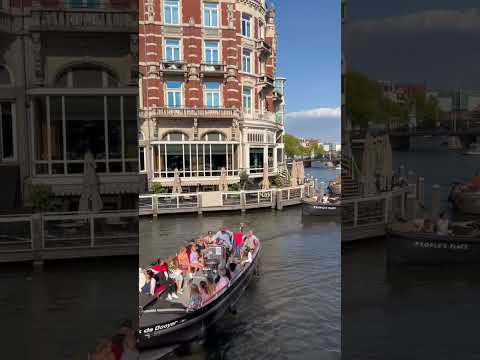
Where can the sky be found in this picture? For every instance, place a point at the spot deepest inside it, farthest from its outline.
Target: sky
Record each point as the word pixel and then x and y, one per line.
pixel 434 42
pixel 309 57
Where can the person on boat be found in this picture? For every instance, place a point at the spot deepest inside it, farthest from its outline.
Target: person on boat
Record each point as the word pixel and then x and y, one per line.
pixel 210 238
pixel 428 226
pixel 234 270
pixel 247 257
pixel 149 286
pixel 195 298
pixel 221 281
pixel 238 240
pixel 183 260
pixel 196 259
pixel 175 273
pixel 211 285
pixel 204 291
pixel 251 241
pixel 325 198
pixel 141 279
pixel 442 224
pixel 224 237
pixel 162 278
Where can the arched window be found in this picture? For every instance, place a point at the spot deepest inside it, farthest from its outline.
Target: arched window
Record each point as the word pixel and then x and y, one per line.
pixel 214 136
pixel 5 77
pixel 175 136
pixel 86 76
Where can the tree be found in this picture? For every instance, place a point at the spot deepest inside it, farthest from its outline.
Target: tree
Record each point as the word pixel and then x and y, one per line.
pixel 317 150
pixel 292 146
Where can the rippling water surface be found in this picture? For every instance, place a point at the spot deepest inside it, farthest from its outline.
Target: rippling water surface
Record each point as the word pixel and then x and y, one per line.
pixel 411 312
pixel 292 310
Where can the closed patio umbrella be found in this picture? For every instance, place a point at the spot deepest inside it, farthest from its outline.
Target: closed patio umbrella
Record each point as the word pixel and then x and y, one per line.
pixel 177 184
pixel 301 173
pixel 367 178
pixel 294 174
pixel 90 199
pixel 265 181
pixel 387 163
pixel 223 183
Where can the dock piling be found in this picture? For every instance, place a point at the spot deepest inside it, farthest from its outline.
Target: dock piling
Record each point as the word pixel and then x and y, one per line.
pixel 435 202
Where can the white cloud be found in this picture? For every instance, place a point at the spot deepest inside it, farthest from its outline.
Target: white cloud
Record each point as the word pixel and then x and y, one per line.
pixel 429 20
pixel 321 112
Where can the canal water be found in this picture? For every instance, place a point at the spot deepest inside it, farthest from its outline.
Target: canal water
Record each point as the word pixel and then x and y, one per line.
pixel 293 308
pixel 411 312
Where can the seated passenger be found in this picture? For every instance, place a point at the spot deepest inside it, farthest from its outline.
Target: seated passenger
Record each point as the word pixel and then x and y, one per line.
pixel 224 237
pixel 150 283
pixel 183 260
pixel 325 198
pixel 221 280
pixel 442 224
pixel 251 242
pixel 210 239
pixel 211 285
pixel 204 291
pixel 247 257
pixel 141 279
pixel 428 226
pixel 234 270
pixel 196 259
pixel 195 298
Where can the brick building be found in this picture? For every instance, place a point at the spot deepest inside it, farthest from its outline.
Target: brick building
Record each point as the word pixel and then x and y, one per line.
pixel 63 93
pixel 209 94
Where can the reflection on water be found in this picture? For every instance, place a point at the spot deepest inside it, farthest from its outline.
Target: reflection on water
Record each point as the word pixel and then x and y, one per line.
pixel 411 312
pixel 62 312
pixel 293 308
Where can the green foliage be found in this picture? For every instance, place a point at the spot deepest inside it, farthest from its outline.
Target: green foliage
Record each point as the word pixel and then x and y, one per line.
pixel 159 189
pixel 293 146
pixel 243 179
pixel 366 103
pixel 234 187
pixel 42 199
pixel 317 150
pixel 276 181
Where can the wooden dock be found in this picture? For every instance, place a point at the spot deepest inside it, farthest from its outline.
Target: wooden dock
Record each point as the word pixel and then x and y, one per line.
pixel 48 236
pixel 160 204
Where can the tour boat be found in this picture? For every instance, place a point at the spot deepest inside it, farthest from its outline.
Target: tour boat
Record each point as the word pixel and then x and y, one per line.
pixel 474 149
pixel 407 246
pixel 314 207
pixel 466 198
pixel 166 323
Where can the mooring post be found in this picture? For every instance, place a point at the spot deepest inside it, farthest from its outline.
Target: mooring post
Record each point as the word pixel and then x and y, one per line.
pixel 435 202
pixel 421 190
pixel 274 198
pixel 411 206
pixel 279 200
pixel 155 206
pixel 199 204
pixel 243 201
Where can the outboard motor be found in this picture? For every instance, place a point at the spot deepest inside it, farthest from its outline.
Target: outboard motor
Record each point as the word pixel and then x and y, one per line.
pixel 215 257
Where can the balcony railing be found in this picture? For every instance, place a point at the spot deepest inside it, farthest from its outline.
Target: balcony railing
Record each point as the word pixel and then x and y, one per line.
pixel 264 48
pixel 85 15
pixel 6 21
pixel 217 113
pixel 213 69
pixel 173 67
pixel 267 116
pixel 266 81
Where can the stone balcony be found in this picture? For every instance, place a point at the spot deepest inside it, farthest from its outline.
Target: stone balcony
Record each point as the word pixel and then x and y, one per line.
pixel 264 48
pixel 173 68
pixel 258 116
pixel 205 113
pixel 267 82
pixel 213 70
pixel 100 17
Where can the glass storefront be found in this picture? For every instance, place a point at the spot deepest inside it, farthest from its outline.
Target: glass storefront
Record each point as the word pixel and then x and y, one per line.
pixel 194 159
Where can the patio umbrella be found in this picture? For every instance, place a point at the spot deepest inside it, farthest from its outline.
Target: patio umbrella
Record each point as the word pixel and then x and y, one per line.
pixel 265 181
pixel 177 184
pixel 301 173
pixel 367 178
pixel 90 199
pixel 222 182
pixel 387 163
pixel 294 174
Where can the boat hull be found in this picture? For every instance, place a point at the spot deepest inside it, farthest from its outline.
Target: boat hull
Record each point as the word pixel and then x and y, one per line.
pixel 321 209
pixel 467 202
pixel 431 249
pixel 154 332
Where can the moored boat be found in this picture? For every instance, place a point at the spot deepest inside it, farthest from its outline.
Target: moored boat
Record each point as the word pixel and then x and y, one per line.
pixel 163 322
pixel 474 149
pixel 406 245
pixel 313 207
pixel 466 197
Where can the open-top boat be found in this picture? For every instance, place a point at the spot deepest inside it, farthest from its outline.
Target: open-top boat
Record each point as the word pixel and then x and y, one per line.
pixel 164 322
pixel 473 149
pixel 407 245
pixel 466 197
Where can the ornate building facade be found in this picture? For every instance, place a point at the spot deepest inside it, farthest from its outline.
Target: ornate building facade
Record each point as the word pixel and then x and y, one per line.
pixel 64 93
pixel 209 95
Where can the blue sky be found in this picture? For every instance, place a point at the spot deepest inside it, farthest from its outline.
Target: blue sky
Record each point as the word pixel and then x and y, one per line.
pixel 309 57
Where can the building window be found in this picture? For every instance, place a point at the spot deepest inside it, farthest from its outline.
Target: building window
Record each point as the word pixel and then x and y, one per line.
pixel 256 160
pixel 214 136
pixel 246 25
pixel 212 94
pixel 175 136
pixel 5 78
pixel 212 52
pixel 141 158
pixel 247 99
pixel 174 93
pixel 247 61
pixel 86 76
pixel 65 128
pixel 172 50
pixel 210 15
pixel 78 4
pixel 7 131
pixel 171 10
